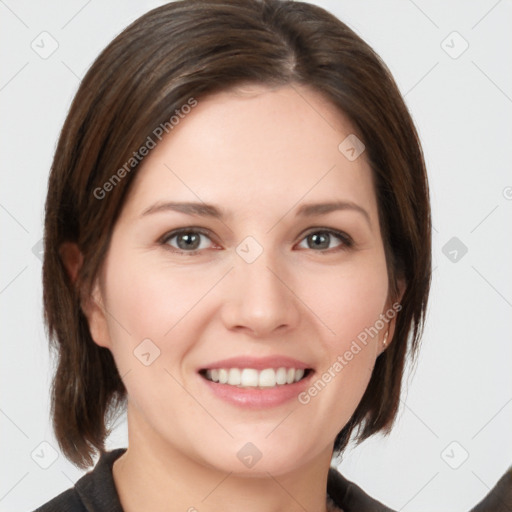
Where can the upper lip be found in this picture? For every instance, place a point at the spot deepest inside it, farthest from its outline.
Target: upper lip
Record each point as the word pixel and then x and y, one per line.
pixel 257 363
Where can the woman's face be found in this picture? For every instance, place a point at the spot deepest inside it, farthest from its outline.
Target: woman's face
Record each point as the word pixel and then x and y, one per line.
pixel 248 251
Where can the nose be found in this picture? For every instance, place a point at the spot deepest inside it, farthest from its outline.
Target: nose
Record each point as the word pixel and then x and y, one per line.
pixel 261 300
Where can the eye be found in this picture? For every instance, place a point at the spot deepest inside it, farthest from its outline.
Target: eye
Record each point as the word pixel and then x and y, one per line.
pixel 187 240
pixel 325 239
pixel 193 240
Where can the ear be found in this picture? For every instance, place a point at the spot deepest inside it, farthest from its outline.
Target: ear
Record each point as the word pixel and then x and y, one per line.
pixel 92 306
pixel 393 308
pixel 71 258
pixel 96 313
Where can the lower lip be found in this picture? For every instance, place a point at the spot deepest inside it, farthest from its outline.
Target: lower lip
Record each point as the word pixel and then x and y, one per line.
pixel 258 398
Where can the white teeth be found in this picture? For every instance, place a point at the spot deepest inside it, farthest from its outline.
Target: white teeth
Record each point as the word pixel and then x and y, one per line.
pixel 281 376
pixel 235 377
pixel 267 378
pixel 223 375
pixel 249 377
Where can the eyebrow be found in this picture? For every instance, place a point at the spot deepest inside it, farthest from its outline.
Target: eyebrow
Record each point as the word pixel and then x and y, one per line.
pixel 209 210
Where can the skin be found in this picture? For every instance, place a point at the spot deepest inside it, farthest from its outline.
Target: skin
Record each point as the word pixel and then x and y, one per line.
pixel 258 154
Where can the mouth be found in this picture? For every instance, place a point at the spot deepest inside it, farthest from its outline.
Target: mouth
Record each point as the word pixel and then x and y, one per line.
pixel 251 378
pixel 256 382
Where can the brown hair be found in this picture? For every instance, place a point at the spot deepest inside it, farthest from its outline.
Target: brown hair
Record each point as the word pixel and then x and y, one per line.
pixel 189 49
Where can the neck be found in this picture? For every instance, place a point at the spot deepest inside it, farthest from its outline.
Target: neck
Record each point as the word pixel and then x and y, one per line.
pixel 153 475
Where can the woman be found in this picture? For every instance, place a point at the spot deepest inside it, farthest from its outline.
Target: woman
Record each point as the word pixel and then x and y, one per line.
pixel 237 249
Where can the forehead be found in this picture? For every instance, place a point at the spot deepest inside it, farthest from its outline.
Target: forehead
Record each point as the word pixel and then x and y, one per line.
pixel 255 146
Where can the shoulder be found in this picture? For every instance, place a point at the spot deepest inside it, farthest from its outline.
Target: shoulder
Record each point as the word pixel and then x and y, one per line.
pixel 349 497
pixel 94 492
pixel 68 501
pixel 499 497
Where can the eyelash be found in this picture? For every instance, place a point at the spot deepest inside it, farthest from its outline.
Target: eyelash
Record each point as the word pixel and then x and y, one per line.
pixel 346 241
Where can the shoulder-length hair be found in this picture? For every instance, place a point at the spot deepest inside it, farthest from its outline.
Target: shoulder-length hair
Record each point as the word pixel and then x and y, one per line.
pixel 190 49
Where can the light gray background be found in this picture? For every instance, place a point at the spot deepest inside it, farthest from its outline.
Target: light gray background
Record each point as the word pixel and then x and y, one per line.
pixel 462 388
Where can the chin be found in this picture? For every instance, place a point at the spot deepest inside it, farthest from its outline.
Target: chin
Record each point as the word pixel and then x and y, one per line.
pixel 256 456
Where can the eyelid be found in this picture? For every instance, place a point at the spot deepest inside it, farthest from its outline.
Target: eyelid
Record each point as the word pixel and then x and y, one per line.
pixel 346 240
pixel 163 240
pixel 189 229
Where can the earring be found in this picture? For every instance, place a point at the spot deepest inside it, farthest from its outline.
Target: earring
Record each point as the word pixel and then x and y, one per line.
pixel 385 340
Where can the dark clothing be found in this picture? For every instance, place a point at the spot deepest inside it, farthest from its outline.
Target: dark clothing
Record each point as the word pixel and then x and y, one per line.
pixel 93 492
pixel 96 492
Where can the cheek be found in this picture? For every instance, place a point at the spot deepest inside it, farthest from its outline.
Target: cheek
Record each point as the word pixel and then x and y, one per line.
pixel 348 301
pixel 350 304
pixel 151 302
pixel 148 316
pixel 144 301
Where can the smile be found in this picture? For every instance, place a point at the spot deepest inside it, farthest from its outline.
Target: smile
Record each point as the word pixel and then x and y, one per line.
pixel 252 378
